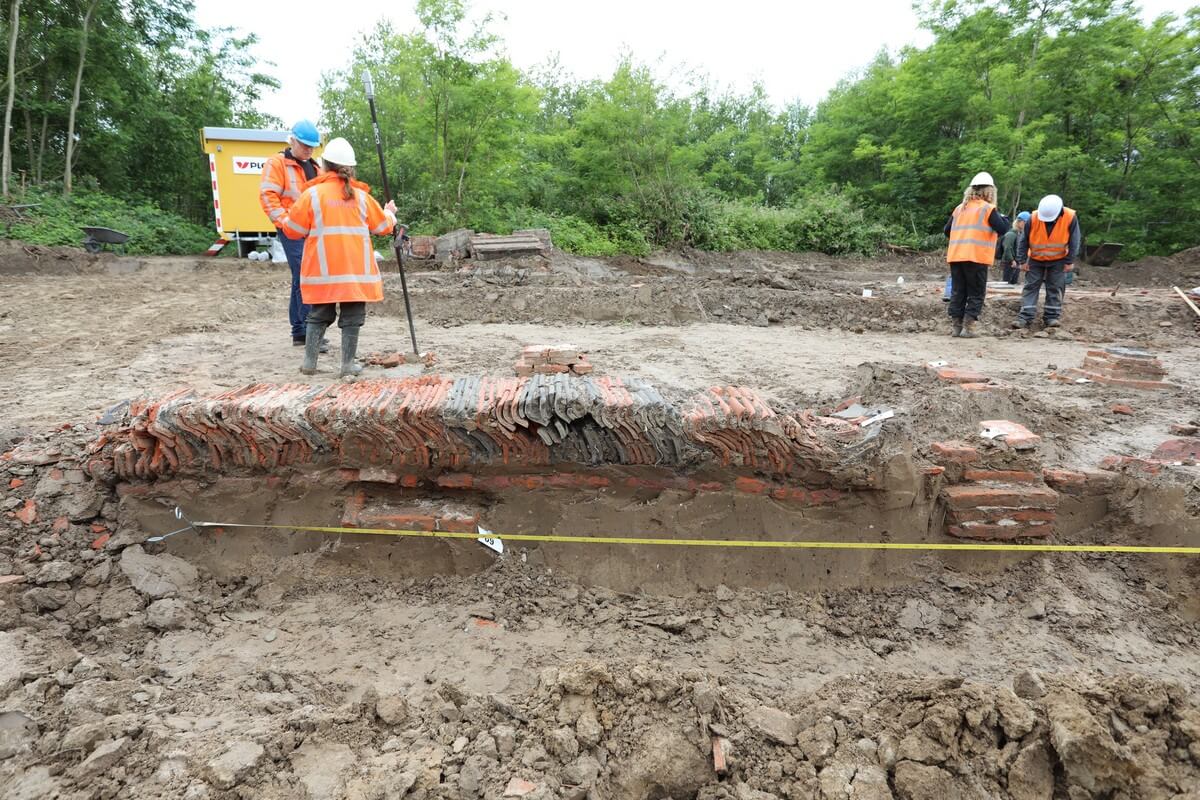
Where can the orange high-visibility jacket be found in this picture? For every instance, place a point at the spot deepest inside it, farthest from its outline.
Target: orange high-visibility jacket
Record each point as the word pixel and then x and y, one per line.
pixel 1052 246
pixel 282 179
pixel 339 260
pixel 971 237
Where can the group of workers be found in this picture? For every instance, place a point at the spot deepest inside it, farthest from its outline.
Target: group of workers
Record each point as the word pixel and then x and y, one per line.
pixel 1043 246
pixel 326 219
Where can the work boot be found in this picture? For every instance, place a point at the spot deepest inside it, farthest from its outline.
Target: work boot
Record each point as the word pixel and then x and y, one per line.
pixel 312 347
pixel 968 330
pixel 300 341
pixel 1053 323
pixel 958 325
pixel 349 348
pixel 1020 323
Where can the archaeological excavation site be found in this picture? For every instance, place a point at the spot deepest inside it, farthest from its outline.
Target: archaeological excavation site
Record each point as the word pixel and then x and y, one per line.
pixel 742 526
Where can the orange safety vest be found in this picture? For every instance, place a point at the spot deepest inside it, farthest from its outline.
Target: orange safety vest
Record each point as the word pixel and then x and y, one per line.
pixel 971 237
pixel 339 259
pixel 282 179
pixel 1052 246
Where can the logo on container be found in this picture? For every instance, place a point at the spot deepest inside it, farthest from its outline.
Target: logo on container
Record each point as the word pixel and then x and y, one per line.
pixel 248 165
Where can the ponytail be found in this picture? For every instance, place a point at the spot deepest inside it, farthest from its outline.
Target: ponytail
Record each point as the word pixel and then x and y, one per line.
pixel 346 174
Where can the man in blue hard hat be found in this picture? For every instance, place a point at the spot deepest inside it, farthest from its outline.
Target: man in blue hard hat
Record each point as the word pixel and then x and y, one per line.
pixel 283 176
pixel 1008 247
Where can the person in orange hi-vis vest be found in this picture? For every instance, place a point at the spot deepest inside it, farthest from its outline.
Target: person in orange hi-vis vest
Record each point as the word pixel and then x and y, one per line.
pixel 282 176
pixel 974 228
pixel 1046 252
pixel 338 275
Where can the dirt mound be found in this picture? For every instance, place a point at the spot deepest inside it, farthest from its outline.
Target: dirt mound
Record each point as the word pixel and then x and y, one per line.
pixel 1181 269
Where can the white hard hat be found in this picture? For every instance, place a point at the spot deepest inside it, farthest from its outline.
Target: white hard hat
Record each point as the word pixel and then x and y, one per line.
pixel 983 179
pixel 339 151
pixel 1050 207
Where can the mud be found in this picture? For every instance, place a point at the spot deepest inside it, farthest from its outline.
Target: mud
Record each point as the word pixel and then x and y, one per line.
pixel 280 664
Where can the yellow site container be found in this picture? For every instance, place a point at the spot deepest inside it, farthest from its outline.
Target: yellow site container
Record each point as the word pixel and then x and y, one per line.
pixel 236 157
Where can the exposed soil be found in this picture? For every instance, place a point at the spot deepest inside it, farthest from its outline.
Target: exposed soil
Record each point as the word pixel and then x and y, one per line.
pixel 288 665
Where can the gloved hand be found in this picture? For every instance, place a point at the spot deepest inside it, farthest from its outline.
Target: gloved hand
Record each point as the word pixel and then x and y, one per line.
pixel 1068 268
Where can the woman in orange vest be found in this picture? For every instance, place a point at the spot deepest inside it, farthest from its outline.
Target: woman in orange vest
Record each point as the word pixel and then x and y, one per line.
pixel 339 216
pixel 974 228
pixel 1046 252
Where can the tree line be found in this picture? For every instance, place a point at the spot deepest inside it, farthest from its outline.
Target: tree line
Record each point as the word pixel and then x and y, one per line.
pixel 1082 98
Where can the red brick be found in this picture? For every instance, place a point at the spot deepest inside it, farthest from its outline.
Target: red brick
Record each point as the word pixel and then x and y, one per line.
pixel 979 387
pixel 16 483
pixel 750 485
pixel 101 540
pixel 551 369
pixel 60 525
pixel 1133 464
pixel 849 401
pixel 456 480
pixel 1121 408
pixel 1177 450
pixel 99 527
pixel 28 512
pixel 1012 433
pixel 956 375
pixel 410 481
pixel 1001 476
pixel 955 452
pixel 523 370
pixel 998 514
pixel 987 531
pixel 1070 375
pixel 933 471
pixel 348 475
pixel 458 524
pixel 965 496
pixel 582 369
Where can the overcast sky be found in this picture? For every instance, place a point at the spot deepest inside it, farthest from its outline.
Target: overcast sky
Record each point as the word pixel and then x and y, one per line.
pixel 798 49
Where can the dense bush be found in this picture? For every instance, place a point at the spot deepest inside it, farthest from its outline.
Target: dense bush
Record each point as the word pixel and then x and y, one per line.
pixel 152 231
pixel 825 221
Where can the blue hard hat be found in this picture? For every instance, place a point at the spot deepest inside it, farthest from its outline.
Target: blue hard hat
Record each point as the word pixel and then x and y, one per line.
pixel 1024 216
pixel 306 133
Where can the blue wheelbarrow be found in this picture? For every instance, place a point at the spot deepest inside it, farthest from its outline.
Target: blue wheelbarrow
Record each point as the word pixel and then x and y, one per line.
pixel 96 238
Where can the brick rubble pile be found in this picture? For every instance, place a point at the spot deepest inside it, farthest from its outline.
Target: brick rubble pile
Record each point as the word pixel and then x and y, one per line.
pixel 560 359
pixel 1119 366
pixel 435 423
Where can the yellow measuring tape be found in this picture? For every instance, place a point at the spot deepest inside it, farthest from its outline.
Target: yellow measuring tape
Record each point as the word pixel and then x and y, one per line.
pixel 749 543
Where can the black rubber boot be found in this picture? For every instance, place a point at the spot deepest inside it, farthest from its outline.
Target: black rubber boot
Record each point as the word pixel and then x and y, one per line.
pixel 312 347
pixel 349 348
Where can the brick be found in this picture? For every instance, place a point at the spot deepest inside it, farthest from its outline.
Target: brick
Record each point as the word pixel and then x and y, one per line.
pixel 965 496
pixel 1013 434
pixel 16 483
pixel 27 513
pixel 101 540
pixel 1177 450
pixel 1121 408
pixel 750 485
pixel 458 524
pixel 523 370
pixel 956 375
pixel 997 515
pixel 1184 430
pixel 60 525
pixel 1001 476
pixel 718 754
pixel 1071 374
pixel 377 475
pixel 582 369
pixel 849 401
pixel 456 480
pixel 551 369
pixel 987 531
pixel 933 471
pixel 955 452
pixel 402 522
pixel 1132 464
pixel 980 387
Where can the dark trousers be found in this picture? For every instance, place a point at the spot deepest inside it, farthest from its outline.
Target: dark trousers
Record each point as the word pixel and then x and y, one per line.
pixel 968 285
pixel 297 311
pixel 352 315
pixel 1054 277
pixel 1011 274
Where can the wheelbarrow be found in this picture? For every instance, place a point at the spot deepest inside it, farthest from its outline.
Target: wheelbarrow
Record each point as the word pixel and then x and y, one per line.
pixel 98 237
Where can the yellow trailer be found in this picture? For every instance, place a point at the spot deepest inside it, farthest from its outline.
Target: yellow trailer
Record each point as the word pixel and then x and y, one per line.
pixel 236 157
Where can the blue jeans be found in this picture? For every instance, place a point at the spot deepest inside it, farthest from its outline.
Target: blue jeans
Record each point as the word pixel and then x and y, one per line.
pixel 1054 278
pixel 297 311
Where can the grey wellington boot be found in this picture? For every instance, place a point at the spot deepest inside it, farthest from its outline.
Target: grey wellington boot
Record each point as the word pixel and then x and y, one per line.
pixel 349 348
pixel 312 347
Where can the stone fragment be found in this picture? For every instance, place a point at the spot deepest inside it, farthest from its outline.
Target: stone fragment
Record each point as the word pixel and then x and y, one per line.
pixel 234 764
pixel 159 576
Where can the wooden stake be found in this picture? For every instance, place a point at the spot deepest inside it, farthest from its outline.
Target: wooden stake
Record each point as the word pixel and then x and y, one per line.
pixel 1187 300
